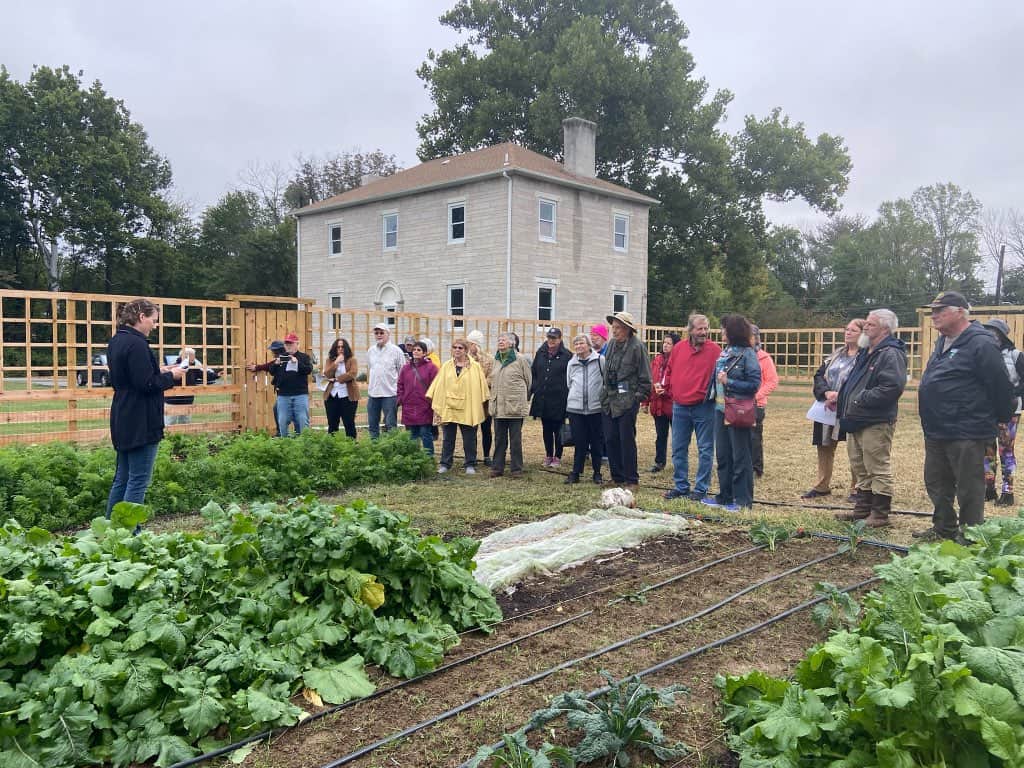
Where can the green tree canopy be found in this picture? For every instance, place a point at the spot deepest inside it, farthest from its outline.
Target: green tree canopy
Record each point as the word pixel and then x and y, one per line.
pixel 79 174
pixel 527 64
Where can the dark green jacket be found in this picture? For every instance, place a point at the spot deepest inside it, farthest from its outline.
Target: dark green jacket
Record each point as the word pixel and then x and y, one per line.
pixel 627 376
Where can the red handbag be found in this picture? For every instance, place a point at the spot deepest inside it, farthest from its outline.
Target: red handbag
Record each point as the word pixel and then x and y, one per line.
pixel 739 411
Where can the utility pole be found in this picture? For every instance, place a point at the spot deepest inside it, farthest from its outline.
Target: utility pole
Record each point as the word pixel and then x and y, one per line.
pixel 999 275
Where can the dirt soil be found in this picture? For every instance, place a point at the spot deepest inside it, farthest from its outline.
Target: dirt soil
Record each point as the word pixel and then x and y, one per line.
pixel 608 589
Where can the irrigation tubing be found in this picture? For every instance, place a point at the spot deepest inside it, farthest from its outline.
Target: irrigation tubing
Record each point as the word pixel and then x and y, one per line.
pixel 363 751
pixel 765 502
pixel 708 647
pixel 444 668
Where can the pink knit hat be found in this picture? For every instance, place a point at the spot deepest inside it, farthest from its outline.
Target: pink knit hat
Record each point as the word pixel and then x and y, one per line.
pixel 601 330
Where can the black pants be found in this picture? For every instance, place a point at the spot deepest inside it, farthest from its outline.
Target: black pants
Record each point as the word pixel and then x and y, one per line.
pixel 343 410
pixel 662 425
pixel 552 431
pixel 757 443
pixel 485 435
pixel 587 431
pixel 508 435
pixel 620 444
pixel 448 430
pixel 955 468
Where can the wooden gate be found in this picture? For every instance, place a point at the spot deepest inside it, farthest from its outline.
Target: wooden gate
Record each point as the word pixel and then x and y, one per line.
pixel 260 327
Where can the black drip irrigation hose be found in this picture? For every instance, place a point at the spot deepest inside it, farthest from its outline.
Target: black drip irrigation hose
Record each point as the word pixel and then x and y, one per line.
pixel 815 534
pixel 766 503
pixel 710 647
pixel 446 667
pixel 363 751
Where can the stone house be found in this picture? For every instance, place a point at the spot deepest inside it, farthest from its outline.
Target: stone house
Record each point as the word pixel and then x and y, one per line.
pixel 498 232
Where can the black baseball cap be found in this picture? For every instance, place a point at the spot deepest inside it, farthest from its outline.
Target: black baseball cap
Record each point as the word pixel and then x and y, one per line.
pixel 949 299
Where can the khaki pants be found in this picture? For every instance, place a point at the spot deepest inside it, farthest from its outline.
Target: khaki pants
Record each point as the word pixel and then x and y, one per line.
pixel 826 461
pixel 870 452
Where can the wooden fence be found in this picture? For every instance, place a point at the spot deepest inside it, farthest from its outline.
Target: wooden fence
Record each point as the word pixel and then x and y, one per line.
pixel 53 381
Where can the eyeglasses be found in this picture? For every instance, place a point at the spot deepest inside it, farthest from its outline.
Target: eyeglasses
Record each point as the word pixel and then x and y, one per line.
pixel 457 346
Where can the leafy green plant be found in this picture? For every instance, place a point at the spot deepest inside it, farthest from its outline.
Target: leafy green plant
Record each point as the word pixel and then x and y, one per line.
pixel 854 533
pixel 57 485
pixel 769 535
pixel 839 611
pixel 120 648
pixel 932 675
pixel 514 752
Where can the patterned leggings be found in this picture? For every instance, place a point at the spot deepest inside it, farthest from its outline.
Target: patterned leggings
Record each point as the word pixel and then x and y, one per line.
pixel 1003 446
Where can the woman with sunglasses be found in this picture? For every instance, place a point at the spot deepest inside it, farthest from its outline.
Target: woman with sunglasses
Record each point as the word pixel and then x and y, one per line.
pixel 457 395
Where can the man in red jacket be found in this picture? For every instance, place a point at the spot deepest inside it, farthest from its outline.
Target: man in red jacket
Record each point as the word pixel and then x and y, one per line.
pixel 688 380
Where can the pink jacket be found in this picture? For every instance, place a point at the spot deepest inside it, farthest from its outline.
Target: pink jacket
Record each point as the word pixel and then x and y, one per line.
pixel 769 378
pixel 412 392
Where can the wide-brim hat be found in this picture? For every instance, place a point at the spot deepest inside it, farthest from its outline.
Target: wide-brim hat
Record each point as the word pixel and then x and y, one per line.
pixel 623 317
pixel 998 325
pixel 476 337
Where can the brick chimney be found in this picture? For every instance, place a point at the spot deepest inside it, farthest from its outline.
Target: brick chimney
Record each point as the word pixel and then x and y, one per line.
pixel 578 139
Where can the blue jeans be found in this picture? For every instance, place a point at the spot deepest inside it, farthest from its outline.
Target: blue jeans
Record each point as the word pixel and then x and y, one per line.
pixel 424 433
pixel 292 409
pixel 132 476
pixel 375 406
pixel 735 463
pixel 687 419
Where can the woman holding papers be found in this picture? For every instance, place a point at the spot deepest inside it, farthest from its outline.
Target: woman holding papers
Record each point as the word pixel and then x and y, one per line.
pixel 827 380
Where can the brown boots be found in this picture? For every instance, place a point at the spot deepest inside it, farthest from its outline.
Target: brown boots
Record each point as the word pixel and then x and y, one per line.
pixel 861 507
pixel 880 508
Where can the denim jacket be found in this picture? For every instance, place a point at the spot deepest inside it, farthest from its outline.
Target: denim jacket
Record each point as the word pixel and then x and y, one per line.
pixel 744 374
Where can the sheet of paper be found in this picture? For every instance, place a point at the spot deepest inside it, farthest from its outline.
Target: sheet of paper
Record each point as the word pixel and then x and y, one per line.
pixel 819 413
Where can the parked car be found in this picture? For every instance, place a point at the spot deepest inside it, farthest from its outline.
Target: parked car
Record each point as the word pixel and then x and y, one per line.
pixel 100 374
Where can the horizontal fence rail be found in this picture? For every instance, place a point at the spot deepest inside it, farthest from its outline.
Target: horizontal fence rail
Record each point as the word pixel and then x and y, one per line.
pixel 54 383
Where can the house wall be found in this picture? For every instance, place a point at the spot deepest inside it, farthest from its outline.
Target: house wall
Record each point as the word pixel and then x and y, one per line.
pixel 581 264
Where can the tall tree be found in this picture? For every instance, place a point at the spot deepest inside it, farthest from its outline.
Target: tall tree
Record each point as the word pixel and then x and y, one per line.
pixel 315 179
pixel 528 64
pixel 87 180
pixel 951 255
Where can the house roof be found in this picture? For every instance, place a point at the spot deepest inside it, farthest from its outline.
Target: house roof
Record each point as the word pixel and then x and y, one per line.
pixel 471 166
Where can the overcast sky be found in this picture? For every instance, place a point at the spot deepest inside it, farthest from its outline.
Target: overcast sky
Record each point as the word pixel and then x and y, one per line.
pixel 922 91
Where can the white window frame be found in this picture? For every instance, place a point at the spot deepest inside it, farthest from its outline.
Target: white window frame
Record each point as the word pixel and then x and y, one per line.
pixel 554 297
pixel 541 221
pixel 384 230
pixel 456 324
pixel 624 295
pixel 452 240
pixel 334 301
pixel 331 241
pixel 616 218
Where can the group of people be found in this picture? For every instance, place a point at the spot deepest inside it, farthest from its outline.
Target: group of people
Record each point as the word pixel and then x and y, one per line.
pixel 969 402
pixel 970 398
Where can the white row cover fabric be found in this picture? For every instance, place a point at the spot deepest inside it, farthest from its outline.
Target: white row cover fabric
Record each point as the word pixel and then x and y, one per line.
pixel 562 541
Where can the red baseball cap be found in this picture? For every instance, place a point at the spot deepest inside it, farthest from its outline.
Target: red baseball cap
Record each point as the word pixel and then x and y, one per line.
pixel 291 338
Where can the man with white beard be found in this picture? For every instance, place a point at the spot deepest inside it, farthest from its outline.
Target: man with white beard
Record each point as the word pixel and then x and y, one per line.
pixel 867 406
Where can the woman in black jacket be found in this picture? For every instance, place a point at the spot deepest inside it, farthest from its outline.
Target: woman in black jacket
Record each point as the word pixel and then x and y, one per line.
pixel 137 411
pixel 550 392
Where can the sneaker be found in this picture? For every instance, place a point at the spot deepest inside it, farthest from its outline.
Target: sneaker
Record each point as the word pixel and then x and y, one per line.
pixel 470 470
pixel 598 480
pixel 516 474
pixel 710 501
pixel 572 479
pixel 675 493
pixel 555 461
pixel 441 469
pixel 730 507
pixel 548 460
pixel 814 493
pixel 697 496
pixel 487 461
pixel 656 468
